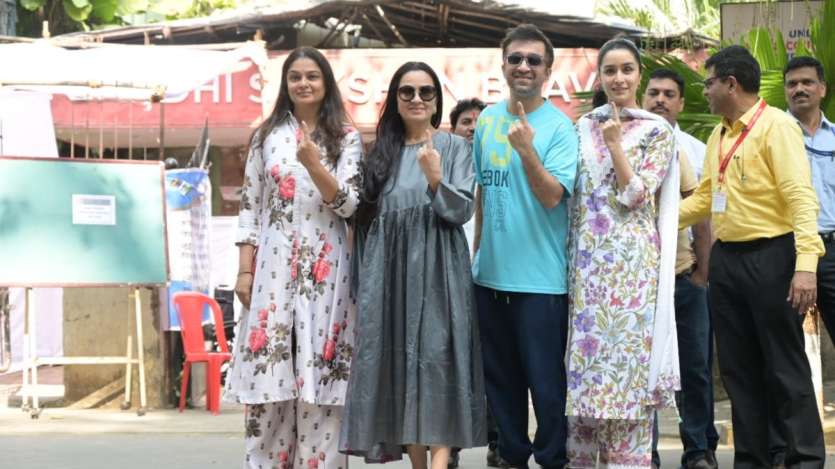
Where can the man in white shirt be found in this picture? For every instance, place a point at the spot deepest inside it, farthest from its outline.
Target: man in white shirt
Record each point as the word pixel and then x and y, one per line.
pixel 665 96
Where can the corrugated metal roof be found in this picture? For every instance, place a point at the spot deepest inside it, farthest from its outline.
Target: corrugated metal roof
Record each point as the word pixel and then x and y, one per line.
pixel 433 23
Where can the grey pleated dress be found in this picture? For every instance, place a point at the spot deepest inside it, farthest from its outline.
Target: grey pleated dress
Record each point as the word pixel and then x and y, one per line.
pixel 417 376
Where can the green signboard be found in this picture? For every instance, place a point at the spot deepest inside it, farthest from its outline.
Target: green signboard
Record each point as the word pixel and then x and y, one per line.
pixel 72 222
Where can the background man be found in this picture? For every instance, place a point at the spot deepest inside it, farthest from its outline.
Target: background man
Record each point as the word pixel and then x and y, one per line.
pixel 664 96
pixel 805 88
pixel 463 117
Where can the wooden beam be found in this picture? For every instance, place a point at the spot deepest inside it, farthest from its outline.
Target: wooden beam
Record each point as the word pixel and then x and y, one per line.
pixel 510 20
pixel 479 25
pixel 391 26
pixel 379 34
pixel 443 16
pixel 413 7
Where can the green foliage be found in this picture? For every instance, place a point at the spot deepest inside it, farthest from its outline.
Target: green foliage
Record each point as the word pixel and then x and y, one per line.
pixel 767 46
pixel 73 15
pixel 32 5
pixel 128 7
pixel 656 16
pixel 105 11
pixel 78 10
pixel 642 17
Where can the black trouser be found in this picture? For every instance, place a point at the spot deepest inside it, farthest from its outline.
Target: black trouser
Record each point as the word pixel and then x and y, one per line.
pixel 761 352
pixel 826 306
pixel 826 287
pixel 523 339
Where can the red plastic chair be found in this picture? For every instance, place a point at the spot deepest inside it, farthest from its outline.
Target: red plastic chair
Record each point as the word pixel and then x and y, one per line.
pixel 190 306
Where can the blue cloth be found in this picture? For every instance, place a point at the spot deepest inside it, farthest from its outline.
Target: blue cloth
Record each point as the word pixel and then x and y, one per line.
pixel 821 151
pixel 182 187
pixel 523 338
pixel 523 244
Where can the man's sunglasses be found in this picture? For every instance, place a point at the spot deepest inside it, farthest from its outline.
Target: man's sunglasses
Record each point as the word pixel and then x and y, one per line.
pixel 516 58
pixel 426 93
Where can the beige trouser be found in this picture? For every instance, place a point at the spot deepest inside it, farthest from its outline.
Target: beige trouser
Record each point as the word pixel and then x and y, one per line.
pixel 293 435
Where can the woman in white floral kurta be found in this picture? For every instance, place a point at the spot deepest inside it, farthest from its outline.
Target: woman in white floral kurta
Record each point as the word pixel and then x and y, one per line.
pixel 295 339
pixel 622 355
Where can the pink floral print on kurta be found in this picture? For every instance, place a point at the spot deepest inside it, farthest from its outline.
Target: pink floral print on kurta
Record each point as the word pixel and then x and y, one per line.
pixel 301 290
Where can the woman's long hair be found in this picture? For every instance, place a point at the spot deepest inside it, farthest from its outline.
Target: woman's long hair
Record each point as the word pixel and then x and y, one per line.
pixel 384 157
pixel 332 116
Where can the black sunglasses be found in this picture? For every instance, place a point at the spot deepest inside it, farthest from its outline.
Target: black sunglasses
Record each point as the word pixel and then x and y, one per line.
pixel 426 92
pixel 516 58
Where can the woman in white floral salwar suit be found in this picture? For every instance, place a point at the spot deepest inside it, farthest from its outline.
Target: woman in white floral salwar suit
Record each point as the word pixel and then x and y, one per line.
pixel 622 357
pixel 295 339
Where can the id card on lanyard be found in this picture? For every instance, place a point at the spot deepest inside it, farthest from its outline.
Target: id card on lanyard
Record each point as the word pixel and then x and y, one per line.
pixel 719 203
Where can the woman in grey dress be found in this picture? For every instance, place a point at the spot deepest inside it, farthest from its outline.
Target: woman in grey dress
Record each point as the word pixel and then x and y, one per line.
pixel 417 378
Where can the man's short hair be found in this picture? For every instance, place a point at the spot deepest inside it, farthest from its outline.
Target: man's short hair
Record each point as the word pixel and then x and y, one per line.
pixel 736 61
pixel 667 74
pixel 464 105
pixel 804 61
pixel 529 32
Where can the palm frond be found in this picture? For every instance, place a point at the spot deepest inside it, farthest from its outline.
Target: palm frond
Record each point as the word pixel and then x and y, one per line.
pixel 699 125
pixel 767 47
pixel 772 89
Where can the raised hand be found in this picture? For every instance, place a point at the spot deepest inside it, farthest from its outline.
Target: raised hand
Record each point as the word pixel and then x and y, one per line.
pixel 520 134
pixel 430 162
pixel 307 152
pixel 612 131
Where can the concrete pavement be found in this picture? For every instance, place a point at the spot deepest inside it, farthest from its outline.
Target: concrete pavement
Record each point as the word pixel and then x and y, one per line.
pixel 99 438
pixel 103 439
pixel 182 451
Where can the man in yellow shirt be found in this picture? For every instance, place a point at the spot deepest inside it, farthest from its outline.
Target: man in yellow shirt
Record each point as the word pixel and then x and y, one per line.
pixel 758 192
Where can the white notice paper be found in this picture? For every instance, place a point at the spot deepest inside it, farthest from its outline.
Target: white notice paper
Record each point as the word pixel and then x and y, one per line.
pixel 93 209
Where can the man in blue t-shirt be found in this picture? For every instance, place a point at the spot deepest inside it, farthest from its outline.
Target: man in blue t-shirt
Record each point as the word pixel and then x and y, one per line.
pixel 525 157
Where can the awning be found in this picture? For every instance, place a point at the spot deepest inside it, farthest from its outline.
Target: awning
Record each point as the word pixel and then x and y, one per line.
pixel 120 72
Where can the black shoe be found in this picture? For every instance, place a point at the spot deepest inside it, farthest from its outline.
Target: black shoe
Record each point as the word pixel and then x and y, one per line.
pixel 493 459
pixel 700 462
pixel 778 461
pixel 506 465
pixel 710 455
pixel 454 458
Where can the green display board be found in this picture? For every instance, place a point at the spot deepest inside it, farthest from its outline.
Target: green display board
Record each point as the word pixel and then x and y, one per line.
pixel 71 222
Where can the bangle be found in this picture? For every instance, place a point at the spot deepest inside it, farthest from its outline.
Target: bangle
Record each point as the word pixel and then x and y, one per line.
pixel 241 273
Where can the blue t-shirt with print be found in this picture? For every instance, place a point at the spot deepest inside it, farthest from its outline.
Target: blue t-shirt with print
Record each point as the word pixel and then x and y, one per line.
pixel 523 245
